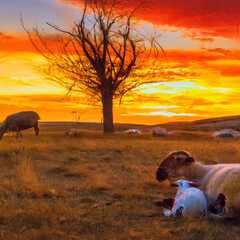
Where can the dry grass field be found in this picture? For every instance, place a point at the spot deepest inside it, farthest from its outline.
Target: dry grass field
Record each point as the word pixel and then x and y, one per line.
pixel 100 187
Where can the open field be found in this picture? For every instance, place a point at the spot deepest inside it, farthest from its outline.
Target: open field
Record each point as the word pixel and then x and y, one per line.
pixel 100 187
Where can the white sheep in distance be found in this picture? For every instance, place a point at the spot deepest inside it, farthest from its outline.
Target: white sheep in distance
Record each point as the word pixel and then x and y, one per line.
pixel 132 131
pixel 160 132
pixel 226 133
pixel 189 200
pixel 214 180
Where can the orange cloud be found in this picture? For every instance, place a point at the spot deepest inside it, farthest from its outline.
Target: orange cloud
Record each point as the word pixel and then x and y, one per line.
pixel 14 43
pixel 21 42
pixel 197 37
pixel 200 55
pixel 232 71
pixel 5 37
pixel 210 18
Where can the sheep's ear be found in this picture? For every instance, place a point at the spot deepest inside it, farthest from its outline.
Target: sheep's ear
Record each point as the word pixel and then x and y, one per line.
pixel 189 160
pixel 173 184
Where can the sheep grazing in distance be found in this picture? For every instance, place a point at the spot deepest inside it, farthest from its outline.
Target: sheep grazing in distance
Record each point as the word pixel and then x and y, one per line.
pixel 214 180
pixel 74 132
pixel 226 133
pixel 133 131
pixel 189 201
pixel 20 121
pixel 160 132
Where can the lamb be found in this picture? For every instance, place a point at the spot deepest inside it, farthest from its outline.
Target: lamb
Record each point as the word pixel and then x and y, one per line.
pixel 189 201
pixel 20 121
pixel 220 182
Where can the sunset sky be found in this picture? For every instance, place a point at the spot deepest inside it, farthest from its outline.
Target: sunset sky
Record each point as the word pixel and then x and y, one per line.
pixel 201 39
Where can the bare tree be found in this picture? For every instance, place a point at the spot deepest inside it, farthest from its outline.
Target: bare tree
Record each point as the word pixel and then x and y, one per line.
pixel 100 56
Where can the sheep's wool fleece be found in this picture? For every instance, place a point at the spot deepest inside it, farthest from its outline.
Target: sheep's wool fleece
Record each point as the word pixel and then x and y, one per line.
pixel 224 178
pixel 190 199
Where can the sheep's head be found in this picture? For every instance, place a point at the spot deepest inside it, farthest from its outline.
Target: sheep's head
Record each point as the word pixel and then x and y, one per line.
pixel 173 165
pixel 182 185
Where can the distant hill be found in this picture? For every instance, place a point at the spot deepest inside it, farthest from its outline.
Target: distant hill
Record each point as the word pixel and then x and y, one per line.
pixel 210 124
pixel 92 125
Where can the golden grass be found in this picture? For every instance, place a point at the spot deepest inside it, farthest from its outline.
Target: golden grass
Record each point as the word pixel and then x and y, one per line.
pixel 100 187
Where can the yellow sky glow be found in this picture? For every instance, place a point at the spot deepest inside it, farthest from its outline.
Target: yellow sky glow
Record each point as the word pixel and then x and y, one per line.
pixel 200 80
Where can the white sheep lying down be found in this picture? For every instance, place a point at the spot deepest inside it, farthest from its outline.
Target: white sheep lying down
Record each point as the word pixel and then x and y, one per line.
pixel 214 180
pixel 189 200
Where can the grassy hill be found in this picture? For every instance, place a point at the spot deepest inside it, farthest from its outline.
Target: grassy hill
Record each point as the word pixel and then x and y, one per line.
pixel 210 124
pixel 91 125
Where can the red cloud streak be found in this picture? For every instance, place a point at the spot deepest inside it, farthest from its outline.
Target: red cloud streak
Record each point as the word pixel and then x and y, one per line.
pixel 209 17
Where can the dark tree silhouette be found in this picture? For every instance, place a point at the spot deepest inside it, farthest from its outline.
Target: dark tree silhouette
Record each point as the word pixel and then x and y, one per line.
pixel 100 56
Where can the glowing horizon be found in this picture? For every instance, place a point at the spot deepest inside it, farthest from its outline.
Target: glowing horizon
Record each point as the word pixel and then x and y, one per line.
pixel 200 80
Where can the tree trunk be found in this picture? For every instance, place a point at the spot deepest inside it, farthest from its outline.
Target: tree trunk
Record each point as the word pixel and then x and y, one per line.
pixel 107 108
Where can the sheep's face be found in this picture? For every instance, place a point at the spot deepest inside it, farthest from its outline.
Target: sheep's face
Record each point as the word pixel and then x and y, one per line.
pixel 182 185
pixel 174 165
pixel 178 171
